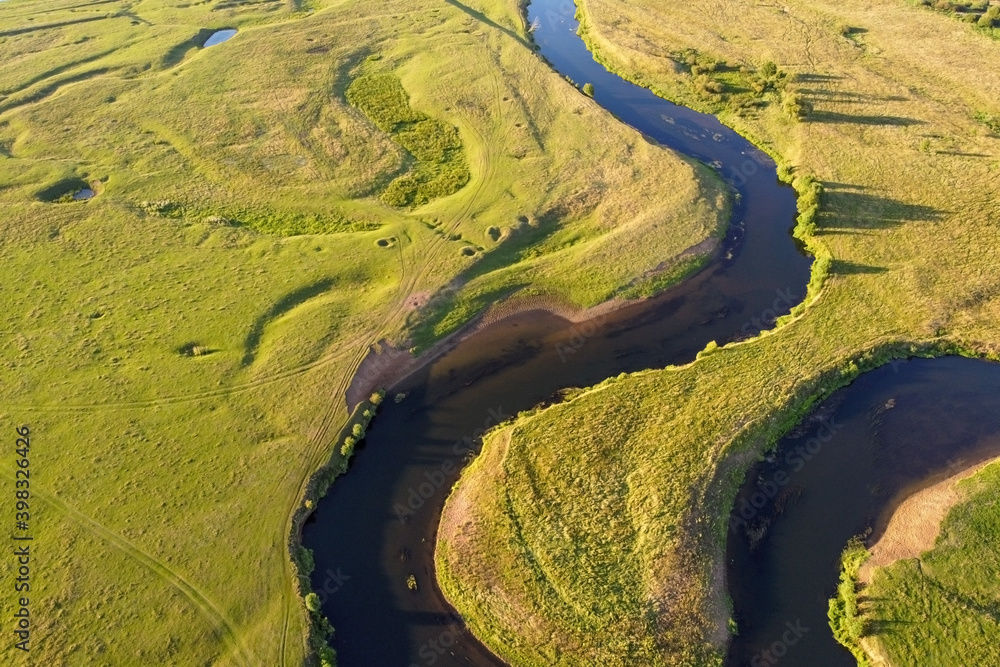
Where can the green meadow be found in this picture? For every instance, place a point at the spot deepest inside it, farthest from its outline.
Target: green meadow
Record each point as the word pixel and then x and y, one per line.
pixel 266 210
pixel 603 518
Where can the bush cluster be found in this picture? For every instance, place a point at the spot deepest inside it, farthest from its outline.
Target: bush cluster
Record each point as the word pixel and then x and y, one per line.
pixel 263 220
pixel 358 429
pixel 810 192
pixel 980 12
pixel 795 105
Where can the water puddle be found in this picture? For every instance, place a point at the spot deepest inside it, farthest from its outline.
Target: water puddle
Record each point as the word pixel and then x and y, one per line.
pixel 219 37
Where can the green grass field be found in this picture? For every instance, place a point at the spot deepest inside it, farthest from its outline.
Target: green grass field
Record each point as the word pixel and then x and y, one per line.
pixel 603 519
pixel 943 607
pixel 180 344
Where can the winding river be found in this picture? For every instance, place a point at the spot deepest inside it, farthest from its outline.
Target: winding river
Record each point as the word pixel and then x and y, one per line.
pixel 365 552
pixel 835 476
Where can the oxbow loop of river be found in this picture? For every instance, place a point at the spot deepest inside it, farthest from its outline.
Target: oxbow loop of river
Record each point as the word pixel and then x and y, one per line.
pixel 366 548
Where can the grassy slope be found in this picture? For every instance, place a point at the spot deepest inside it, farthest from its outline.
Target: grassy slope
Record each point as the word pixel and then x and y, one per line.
pixel 164 483
pixel 601 518
pixel 944 607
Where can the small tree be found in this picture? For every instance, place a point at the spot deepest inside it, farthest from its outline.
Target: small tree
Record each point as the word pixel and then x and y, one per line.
pixel 768 70
pixel 991 16
pixel 358 431
pixel 312 602
pixel 795 105
pixel 306 560
pixel 588 89
pixel 347 449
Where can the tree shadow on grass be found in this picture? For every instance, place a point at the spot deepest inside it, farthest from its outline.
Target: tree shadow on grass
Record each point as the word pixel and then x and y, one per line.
pixel 848 209
pixel 963 154
pixel 845 96
pixel 835 117
pixel 842 267
pixel 817 78
pixel 483 18
pixel 884 625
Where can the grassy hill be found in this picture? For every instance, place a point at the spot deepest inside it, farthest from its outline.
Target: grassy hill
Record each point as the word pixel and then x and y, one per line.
pixel 603 518
pixel 180 344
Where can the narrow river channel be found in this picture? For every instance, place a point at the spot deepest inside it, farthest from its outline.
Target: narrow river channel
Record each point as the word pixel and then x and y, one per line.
pixel 364 552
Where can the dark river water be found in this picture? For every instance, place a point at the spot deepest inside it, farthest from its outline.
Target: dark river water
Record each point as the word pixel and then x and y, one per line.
pixel 837 476
pixel 364 552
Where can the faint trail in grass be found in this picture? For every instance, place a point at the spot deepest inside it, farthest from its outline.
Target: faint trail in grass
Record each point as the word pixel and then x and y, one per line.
pixel 223 626
pixel 51 89
pixel 55 71
pixel 48 26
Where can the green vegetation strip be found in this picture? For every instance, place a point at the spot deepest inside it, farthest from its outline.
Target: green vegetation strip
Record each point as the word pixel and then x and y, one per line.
pixel 441 165
pixel 845 617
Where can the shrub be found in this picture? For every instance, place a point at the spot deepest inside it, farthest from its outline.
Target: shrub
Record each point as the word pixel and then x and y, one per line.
pixel 711 347
pixel 347 449
pixel 846 621
pixel 376 398
pixel 588 89
pixel 991 17
pixel 990 121
pixel 327 657
pixel 358 431
pixel 306 561
pixel 795 105
pixel 312 602
pixel 810 192
pixel 709 86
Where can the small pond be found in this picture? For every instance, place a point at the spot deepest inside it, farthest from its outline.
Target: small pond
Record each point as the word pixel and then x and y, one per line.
pixel 219 37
